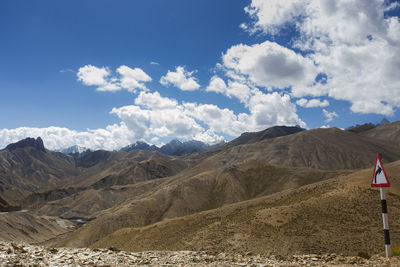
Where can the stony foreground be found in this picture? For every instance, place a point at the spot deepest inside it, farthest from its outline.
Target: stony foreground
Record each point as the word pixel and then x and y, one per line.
pixel 12 254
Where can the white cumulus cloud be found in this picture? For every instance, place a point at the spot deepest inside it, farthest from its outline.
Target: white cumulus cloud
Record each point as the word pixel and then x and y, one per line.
pixel 352 42
pixel 270 65
pixel 272 109
pixel 329 115
pixel 155 101
pixel 128 78
pixel 157 116
pixel 100 77
pixel 233 89
pixel 181 79
pixel 268 15
pixel 312 103
pixel 132 79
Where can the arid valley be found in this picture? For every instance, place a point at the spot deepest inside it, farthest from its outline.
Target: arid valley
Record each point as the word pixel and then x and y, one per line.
pixel 276 193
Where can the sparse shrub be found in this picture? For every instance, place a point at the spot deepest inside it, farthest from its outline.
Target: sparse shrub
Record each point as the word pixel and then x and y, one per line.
pixel 364 255
pixel 53 250
pixel 396 251
pixel 114 249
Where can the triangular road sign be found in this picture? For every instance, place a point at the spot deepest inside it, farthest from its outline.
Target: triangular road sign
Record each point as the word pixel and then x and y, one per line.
pixel 379 177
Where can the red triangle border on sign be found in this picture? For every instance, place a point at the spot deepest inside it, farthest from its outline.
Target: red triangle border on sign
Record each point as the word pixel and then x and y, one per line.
pixel 387 184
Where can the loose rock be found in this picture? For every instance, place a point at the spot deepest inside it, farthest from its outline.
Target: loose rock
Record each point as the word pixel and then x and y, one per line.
pixel 12 254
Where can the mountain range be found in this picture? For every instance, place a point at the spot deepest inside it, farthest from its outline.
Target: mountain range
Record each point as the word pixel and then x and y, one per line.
pixel 244 195
pixel 174 148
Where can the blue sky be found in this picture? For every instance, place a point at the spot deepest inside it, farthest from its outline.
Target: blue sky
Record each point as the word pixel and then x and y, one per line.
pixel 103 74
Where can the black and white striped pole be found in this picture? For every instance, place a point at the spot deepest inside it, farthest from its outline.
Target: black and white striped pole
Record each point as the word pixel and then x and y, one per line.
pixel 388 251
pixel 379 179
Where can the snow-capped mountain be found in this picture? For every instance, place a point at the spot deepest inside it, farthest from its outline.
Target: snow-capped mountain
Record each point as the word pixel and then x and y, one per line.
pixel 175 147
pixel 76 151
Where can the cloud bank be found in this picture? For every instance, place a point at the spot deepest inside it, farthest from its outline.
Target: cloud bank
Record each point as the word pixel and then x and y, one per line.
pixel 352 42
pixel 55 138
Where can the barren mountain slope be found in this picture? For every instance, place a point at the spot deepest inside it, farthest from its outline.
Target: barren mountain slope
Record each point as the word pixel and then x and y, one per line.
pixel 102 170
pixel 330 149
pixel 137 165
pixel 389 133
pixel 86 203
pixel 27 167
pixel 178 196
pixel 340 215
pixel 272 132
pixel 240 173
pixel 248 138
pixel 26 226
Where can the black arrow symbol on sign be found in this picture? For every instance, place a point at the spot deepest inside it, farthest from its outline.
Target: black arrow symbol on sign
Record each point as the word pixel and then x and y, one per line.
pixel 378 171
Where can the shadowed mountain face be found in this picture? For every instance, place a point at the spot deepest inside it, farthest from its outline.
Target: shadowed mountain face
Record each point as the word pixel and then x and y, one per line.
pixel 249 138
pixel 26 226
pixel 330 149
pixel 30 174
pixel 174 148
pixel 6 207
pixel 104 173
pixel 76 151
pixel 28 142
pixel 106 182
pixel 389 133
pixel 276 131
pixel 27 167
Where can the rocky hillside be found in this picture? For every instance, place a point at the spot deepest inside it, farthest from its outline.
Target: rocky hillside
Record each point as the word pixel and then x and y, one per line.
pixel 237 174
pixel 389 133
pixel 280 169
pixel 272 132
pixel 340 215
pixel 6 207
pixel 15 254
pixel 106 179
pixel 173 148
pixel 27 167
pixel 110 176
pixel 27 226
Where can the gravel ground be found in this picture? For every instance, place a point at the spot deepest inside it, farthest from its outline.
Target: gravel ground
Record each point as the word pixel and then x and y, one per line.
pixel 12 254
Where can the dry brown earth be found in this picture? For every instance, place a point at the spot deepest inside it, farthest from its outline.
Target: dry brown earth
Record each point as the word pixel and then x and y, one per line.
pixel 237 174
pixel 26 226
pixel 269 197
pixel 388 133
pixel 110 169
pixel 340 215
pixel 183 195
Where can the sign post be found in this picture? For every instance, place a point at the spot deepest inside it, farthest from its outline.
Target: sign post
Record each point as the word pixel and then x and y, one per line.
pixel 379 179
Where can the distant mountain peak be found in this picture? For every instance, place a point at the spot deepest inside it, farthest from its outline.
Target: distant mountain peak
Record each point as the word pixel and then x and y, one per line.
pixel 139 145
pixel 384 121
pixel 272 132
pixel 28 142
pixel 174 147
pixel 175 142
pixel 76 151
